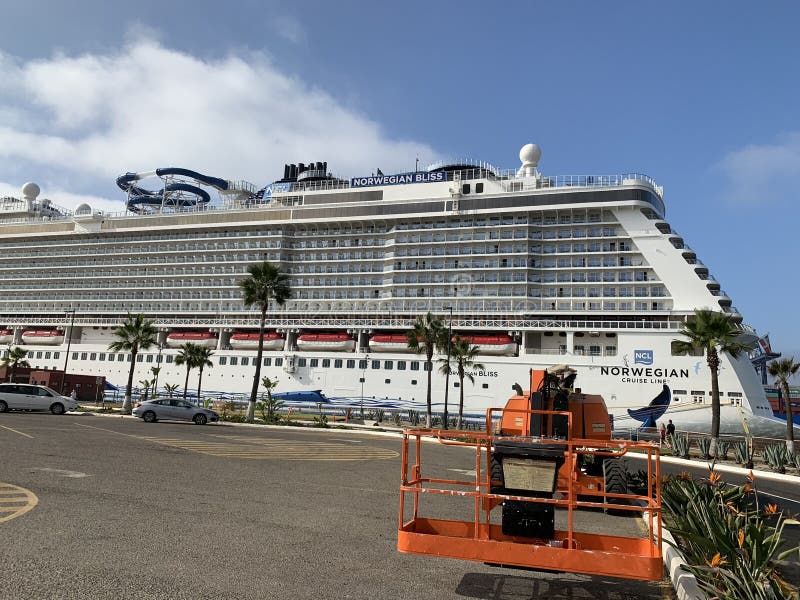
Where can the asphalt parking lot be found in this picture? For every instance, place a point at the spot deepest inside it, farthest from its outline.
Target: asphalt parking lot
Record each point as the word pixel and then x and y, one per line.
pixel 126 509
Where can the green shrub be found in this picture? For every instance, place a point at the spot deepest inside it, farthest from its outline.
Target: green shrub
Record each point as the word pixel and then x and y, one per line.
pixel 704 444
pixel 321 421
pixel 680 445
pixel 379 414
pixel 722 449
pixel 730 543
pixel 741 451
pixel 413 417
pixel 777 457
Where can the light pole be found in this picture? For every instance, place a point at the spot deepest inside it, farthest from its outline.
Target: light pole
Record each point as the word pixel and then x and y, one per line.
pixel 69 343
pixel 447 373
pixel 363 376
pixel 157 370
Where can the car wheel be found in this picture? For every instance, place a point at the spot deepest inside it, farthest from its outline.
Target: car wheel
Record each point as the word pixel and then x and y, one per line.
pixel 149 417
pixel 3 406
pixel 57 408
pixel 200 419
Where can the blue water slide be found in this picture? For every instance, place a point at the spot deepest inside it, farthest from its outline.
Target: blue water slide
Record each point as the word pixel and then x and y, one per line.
pixel 139 196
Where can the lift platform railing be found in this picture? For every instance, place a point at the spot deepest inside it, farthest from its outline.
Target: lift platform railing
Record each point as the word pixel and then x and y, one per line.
pixel 571 550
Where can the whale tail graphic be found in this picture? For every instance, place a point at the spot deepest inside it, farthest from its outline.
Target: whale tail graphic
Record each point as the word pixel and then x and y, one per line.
pixel 657 407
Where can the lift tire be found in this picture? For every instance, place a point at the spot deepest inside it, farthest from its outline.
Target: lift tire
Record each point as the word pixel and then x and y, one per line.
pixel 615 479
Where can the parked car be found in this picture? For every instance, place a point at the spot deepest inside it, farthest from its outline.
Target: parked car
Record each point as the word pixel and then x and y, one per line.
pixel 151 411
pixel 25 396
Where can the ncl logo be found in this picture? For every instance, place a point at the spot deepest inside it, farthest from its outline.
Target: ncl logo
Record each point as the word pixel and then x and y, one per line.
pixel 643 357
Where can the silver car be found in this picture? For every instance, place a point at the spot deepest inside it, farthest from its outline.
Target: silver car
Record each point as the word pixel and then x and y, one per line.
pixel 173 409
pixel 24 396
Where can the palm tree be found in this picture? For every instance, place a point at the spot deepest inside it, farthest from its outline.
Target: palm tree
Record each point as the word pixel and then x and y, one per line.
pixel 782 370
pixel 145 383
pixel 187 355
pixel 156 371
pixel 272 405
pixel 464 355
pixel 15 358
pixel 714 333
pixel 265 284
pixel 171 387
pixel 202 360
pixel 424 337
pixel 135 334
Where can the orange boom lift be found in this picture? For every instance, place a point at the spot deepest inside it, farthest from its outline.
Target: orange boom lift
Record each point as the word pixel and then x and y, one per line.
pixel 548 450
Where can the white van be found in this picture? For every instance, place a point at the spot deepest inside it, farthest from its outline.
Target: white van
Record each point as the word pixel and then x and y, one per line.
pixel 24 396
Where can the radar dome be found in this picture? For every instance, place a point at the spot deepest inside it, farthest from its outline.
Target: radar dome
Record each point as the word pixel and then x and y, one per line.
pixel 530 154
pixel 30 190
pixel 83 209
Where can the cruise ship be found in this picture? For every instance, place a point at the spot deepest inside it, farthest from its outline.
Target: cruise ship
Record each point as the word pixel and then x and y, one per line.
pixel 534 269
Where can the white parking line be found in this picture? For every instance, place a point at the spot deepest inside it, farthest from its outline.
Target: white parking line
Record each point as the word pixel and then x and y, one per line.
pixel 15 431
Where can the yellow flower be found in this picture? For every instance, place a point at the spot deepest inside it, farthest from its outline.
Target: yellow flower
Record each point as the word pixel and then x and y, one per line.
pixel 770 509
pixel 716 561
pixel 741 538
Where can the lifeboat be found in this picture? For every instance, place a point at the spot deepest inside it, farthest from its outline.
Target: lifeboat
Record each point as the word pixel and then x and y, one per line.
pixel 327 342
pixel 6 336
pixel 497 345
pixel 202 338
pixel 389 342
pixel 43 337
pixel 249 341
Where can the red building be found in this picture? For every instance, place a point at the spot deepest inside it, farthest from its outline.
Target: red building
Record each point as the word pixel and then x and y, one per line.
pixel 88 388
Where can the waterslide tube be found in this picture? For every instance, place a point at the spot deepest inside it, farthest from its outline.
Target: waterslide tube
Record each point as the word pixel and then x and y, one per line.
pixel 138 196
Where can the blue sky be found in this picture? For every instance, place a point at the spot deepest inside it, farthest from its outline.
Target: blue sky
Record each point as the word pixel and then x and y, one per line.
pixel 701 96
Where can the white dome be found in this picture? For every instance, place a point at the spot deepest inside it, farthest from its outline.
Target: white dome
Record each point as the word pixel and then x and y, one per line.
pixel 30 190
pixel 530 154
pixel 83 209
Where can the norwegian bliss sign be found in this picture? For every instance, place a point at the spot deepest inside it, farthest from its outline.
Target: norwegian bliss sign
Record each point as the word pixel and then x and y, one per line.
pixel 400 178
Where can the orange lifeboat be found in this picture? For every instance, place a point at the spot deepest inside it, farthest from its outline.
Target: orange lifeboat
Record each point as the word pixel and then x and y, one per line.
pixel 202 338
pixel 6 336
pixel 249 341
pixel 496 345
pixel 43 337
pixel 326 342
pixel 389 342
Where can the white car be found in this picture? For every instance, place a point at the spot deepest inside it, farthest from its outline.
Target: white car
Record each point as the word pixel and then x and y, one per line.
pixel 24 396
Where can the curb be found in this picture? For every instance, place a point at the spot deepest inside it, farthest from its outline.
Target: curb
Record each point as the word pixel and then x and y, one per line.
pixel 683 582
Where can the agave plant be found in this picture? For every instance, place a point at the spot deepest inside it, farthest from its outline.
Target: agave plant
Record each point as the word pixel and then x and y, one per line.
pixel 680 445
pixel 777 457
pixel 704 444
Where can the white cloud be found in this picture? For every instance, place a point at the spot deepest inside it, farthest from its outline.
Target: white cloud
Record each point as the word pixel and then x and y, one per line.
pixel 290 29
pixel 763 173
pixel 146 106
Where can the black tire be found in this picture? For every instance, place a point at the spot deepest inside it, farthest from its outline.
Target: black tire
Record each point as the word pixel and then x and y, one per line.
pixel 57 408
pixel 149 417
pixel 200 419
pixel 615 478
pixel 3 406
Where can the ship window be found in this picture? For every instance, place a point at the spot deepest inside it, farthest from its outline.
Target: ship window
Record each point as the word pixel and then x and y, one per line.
pixel 223 360
pixel 74 356
pixel 314 362
pixel 56 355
pixel 337 364
pixel 351 364
pixel 149 358
pixel 485 386
pixel 139 357
pixel 479 188
pixel 362 364
pixel 387 381
pixel 278 362
pixel 413 382
pixel 679 392
pixel 387 364
pixel 47 355
pixel 360 380
pixel 83 355
pixel 401 365
pixel 376 364
pixel 245 361
pixel 267 362
pixel 128 357
pixel 415 365
pixel 169 358
pixel 326 362
pixel 39 354
pixel 734 394
pixel 611 350
pixel 698 393
pixel 465 188
pixel 301 362
pixel 234 360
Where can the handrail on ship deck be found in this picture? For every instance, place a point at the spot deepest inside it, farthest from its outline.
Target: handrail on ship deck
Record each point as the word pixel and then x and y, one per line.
pixel 481 540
